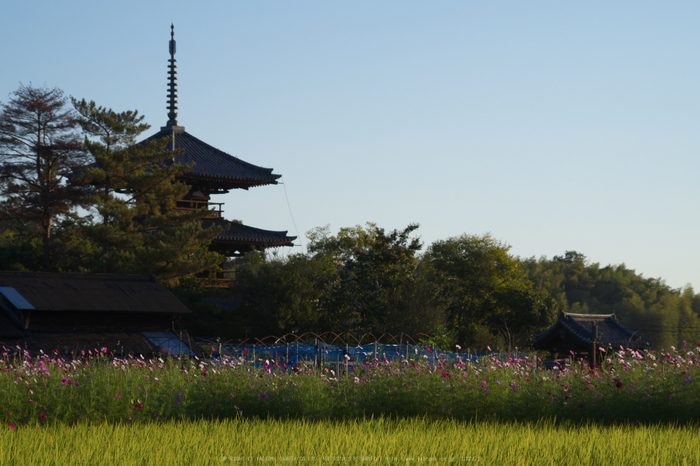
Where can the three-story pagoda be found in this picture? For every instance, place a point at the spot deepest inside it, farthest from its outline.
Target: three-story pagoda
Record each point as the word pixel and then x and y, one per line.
pixel 215 172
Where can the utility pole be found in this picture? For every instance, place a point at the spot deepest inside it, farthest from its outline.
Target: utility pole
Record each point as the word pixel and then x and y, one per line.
pixel 594 337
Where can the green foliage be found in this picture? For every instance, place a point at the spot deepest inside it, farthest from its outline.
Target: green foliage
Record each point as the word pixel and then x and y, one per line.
pixel 278 295
pixel 362 279
pixel 662 315
pixel 20 246
pixel 484 286
pixel 213 310
pixel 380 286
pixel 440 337
pixel 134 192
pixel 38 151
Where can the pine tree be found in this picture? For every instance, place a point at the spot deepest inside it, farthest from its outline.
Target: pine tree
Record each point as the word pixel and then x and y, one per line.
pixel 38 151
pixel 135 188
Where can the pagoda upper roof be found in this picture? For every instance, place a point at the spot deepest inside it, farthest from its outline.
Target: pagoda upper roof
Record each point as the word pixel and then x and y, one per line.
pixel 214 166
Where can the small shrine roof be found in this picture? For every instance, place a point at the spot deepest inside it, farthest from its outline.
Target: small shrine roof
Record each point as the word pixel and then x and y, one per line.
pixel 213 165
pixel 578 329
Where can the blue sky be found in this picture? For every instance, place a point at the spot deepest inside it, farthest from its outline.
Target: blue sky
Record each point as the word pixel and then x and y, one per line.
pixel 554 126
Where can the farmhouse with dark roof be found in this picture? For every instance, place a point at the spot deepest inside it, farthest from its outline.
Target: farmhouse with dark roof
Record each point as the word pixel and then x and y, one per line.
pixel 70 313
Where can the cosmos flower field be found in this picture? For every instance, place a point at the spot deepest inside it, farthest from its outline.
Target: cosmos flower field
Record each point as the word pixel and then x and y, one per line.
pixel 630 386
pixel 634 394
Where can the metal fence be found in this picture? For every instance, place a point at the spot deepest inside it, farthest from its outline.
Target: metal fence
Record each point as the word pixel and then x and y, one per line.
pixel 320 353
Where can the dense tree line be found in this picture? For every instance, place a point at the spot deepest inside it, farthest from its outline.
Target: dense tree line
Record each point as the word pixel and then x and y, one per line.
pixel 467 290
pixel 78 194
pixel 662 315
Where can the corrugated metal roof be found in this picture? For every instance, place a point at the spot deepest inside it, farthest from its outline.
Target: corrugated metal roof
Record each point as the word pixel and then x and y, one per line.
pixel 214 165
pixel 93 292
pixel 168 342
pixel 16 299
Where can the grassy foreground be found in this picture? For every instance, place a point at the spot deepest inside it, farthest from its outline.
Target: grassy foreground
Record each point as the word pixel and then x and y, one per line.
pixel 378 441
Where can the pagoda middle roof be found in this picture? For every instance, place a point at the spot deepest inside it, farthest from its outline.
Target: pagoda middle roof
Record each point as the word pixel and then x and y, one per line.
pixel 213 165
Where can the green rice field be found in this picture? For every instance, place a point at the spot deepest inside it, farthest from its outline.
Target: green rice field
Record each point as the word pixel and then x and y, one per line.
pixel 377 441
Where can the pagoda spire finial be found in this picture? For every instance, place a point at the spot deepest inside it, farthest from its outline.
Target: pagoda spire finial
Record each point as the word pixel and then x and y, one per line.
pixel 172 87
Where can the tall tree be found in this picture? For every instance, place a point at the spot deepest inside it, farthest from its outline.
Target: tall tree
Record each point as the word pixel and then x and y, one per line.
pixel 378 286
pixel 484 289
pixel 278 294
pixel 39 149
pixel 135 189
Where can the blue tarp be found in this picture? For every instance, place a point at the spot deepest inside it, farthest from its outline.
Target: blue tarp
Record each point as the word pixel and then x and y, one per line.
pixel 324 353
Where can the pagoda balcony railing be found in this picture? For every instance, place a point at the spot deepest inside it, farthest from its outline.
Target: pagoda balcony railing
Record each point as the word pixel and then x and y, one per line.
pixel 190 205
pixel 223 279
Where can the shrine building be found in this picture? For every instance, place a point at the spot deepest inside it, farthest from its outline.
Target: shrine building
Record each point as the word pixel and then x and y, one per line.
pixel 582 335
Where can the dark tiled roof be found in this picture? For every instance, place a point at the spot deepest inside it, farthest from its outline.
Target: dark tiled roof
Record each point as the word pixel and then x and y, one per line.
pixel 118 343
pixel 241 238
pixel 93 292
pixel 579 328
pixel 216 166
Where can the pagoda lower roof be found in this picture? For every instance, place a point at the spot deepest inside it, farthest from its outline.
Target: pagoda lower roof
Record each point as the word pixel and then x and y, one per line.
pixel 238 238
pixel 214 166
